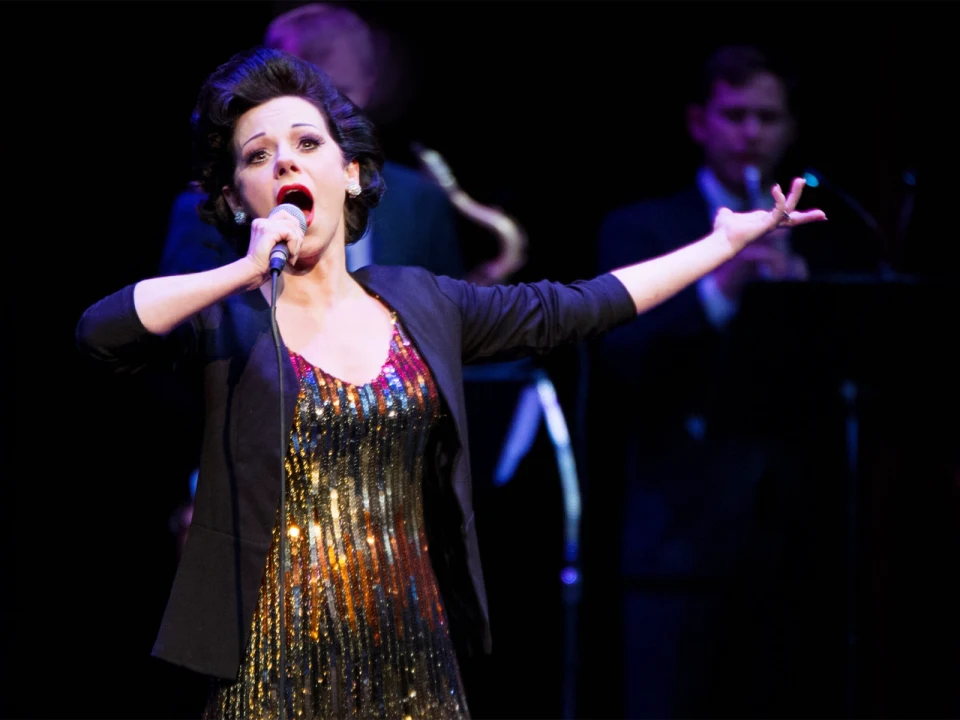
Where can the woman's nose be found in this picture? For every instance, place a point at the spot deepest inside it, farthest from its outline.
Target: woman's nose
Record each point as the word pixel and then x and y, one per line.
pixel 286 163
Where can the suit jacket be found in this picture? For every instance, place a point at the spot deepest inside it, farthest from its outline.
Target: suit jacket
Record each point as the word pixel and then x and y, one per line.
pixel 667 378
pixel 207 621
pixel 670 356
pixel 414 224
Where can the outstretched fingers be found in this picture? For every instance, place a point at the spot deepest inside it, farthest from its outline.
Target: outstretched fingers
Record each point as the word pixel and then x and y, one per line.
pixel 788 203
pixel 785 208
pixel 800 217
pixel 796 190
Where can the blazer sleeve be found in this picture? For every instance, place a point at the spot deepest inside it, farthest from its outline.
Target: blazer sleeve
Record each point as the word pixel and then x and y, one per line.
pixel 504 322
pixel 110 331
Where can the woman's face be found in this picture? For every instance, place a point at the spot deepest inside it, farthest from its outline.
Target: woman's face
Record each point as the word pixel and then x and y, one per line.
pixel 284 153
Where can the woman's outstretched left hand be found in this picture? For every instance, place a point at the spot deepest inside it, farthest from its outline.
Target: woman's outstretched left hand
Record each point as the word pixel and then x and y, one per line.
pixel 741 229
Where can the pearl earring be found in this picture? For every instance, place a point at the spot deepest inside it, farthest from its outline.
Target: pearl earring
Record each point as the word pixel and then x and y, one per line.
pixel 239 217
pixel 354 189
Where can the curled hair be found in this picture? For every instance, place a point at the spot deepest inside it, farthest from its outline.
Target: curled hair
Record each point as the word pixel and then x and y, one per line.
pixel 256 76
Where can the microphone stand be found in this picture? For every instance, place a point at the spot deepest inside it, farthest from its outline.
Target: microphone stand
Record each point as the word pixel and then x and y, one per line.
pixel 817 178
pixel 850 392
pixel 570 575
pixel 751 182
pixel 814 178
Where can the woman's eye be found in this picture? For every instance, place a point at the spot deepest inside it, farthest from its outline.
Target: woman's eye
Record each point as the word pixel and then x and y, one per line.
pixel 308 142
pixel 255 156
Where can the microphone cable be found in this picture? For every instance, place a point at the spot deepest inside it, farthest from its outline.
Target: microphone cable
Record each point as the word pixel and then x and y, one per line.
pixel 278 259
pixel 281 572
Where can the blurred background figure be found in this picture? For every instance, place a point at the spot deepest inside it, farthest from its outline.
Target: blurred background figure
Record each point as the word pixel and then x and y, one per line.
pixel 719 514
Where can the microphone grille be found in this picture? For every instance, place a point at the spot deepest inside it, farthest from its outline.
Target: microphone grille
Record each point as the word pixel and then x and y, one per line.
pixel 293 210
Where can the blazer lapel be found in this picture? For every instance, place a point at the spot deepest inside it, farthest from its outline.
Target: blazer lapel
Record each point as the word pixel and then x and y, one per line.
pixel 427 332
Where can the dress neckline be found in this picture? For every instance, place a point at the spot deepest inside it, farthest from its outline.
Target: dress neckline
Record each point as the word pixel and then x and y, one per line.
pixel 346 383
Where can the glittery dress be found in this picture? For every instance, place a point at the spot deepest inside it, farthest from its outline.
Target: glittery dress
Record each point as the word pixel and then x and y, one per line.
pixel 367 635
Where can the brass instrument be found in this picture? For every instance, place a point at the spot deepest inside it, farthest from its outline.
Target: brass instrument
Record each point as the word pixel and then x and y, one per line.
pixel 511 238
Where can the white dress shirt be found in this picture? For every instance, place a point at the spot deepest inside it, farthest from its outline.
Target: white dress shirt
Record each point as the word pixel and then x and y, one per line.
pixel 719 308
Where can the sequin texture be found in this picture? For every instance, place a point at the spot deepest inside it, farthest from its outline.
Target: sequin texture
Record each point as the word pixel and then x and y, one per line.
pixel 366 630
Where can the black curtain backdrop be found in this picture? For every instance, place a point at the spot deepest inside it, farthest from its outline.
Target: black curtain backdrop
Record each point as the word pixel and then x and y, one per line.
pixel 555 111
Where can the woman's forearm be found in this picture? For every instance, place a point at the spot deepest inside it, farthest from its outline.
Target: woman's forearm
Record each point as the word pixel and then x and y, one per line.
pixel 162 303
pixel 652 281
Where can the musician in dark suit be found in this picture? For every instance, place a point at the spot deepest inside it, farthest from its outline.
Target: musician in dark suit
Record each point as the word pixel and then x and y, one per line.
pixel 695 467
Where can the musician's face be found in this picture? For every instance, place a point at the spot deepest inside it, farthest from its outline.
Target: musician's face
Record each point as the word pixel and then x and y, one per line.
pixel 741 126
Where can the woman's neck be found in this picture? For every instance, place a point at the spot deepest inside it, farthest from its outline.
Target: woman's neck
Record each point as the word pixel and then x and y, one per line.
pixel 320 284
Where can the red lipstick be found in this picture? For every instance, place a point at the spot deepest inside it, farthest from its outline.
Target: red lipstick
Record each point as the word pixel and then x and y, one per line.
pixel 301 190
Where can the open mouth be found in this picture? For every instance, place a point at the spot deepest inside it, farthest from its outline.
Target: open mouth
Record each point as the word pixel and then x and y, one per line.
pixel 297 195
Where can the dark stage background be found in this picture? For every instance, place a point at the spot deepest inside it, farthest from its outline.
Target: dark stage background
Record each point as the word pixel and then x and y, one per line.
pixel 557 112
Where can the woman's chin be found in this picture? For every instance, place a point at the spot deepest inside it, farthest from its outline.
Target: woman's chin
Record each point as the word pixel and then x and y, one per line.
pixel 306 263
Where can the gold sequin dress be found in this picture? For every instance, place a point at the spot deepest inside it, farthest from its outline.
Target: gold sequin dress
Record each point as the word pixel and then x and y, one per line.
pixel 367 635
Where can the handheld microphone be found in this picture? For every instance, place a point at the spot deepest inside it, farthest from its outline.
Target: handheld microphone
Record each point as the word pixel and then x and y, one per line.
pixel 751 183
pixel 278 258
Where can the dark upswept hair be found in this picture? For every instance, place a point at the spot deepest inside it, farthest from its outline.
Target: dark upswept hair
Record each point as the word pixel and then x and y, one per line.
pixel 251 78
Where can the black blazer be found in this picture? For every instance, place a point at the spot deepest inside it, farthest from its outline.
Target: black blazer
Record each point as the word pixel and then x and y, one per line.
pixel 207 621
